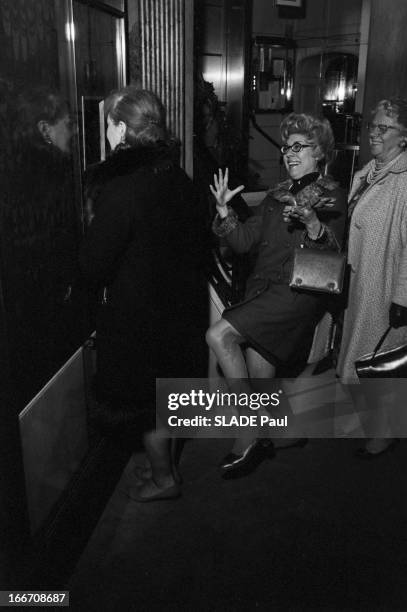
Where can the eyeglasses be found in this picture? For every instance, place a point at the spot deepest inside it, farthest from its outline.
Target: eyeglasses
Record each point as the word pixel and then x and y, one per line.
pixel 296 147
pixel 381 127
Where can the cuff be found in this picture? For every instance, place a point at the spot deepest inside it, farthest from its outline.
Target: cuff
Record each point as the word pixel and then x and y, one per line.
pixel 223 227
pixel 325 241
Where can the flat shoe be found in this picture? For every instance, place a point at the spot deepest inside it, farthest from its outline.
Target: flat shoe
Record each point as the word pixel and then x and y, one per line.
pixel 363 453
pixel 169 493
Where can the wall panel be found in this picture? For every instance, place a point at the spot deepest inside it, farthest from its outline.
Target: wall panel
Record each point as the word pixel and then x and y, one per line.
pixel 159 56
pixel 386 73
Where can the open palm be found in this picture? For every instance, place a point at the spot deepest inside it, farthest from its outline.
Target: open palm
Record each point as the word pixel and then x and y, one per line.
pixel 221 191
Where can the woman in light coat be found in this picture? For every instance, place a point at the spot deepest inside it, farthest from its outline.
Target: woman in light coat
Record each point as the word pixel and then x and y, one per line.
pixel 378 253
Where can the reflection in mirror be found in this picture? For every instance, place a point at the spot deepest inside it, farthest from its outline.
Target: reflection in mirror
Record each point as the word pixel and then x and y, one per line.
pixel 40 234
pixel 39 206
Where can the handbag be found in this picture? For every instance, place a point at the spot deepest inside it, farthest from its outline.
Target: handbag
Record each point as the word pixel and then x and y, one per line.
pixel 391 363
pixel 318 270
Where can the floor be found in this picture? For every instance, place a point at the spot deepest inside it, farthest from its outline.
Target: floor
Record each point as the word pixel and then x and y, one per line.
pixel 313 529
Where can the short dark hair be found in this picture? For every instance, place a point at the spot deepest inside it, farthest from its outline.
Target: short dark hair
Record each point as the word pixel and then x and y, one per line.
pixel 318 131
pixel 395 108
pixel 141 111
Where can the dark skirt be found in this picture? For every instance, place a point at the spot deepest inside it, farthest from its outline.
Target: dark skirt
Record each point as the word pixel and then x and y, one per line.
pixel 278 322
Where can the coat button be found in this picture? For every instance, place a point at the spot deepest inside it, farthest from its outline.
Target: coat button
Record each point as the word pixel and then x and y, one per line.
pixel 264 243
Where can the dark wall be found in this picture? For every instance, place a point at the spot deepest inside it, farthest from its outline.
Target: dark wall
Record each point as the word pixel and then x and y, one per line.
pixel 386 73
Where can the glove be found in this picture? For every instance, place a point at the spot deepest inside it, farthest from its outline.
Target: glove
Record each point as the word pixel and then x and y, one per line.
pixel 397 315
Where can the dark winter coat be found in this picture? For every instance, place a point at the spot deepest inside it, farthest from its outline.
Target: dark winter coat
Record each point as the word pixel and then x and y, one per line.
pixel 144 249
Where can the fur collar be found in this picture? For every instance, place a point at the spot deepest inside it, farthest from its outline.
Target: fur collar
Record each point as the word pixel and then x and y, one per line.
pixel 281 189
pixel 125 161
pixel 312 195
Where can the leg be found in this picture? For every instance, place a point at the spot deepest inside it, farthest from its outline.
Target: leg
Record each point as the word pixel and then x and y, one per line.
pixel 257 366
pixel 161 484
pixel 145 472
pixel 225 342
pixel 159 453
pixel 370 406
pixel 248 452
pixel 260 368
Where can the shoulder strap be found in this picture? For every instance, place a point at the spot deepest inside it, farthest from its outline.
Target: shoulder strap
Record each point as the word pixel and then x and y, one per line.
pixel 382 339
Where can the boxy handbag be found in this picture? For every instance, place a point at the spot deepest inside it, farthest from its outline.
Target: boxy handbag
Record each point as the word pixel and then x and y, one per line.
pixel 391 363
pixel 318 270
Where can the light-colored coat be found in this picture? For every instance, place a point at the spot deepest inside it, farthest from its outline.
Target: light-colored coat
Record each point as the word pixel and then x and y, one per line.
pixel 378 261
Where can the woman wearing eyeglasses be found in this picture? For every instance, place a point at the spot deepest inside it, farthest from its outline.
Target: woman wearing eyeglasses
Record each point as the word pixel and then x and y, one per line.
pixel 378 259
pixel 273 327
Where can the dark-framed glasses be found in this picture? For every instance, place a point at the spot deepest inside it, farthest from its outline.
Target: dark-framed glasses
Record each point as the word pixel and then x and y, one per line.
pixel 380 127
pixel 296 147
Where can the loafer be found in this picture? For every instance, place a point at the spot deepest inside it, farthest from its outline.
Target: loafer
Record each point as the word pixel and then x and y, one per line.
pixel 236 466
pixel 363 453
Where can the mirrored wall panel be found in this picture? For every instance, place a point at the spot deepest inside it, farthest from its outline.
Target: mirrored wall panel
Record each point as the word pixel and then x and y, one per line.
pixel 59 60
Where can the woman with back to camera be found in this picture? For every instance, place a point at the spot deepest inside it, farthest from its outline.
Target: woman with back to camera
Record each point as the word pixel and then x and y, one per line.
pixel 377 255
pixel 275 322
pixel 144 247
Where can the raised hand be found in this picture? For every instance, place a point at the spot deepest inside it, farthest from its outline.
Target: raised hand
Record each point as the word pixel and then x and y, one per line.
pixel 222 193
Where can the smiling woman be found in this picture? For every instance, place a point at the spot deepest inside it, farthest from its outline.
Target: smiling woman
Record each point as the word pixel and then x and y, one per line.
pixel 275 322
pixel 377 233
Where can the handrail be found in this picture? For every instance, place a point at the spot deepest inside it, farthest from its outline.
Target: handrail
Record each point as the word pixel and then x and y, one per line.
pixel 262 132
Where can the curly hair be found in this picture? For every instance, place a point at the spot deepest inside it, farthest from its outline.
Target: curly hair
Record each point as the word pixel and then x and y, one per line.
pixel 317 131
pixel 395 108
pixel 141 111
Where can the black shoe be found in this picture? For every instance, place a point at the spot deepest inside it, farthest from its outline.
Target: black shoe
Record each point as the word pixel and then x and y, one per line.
pixel 236 466
pixel 363 453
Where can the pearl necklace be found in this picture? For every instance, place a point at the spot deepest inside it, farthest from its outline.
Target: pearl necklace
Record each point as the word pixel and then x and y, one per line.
pixel 379 170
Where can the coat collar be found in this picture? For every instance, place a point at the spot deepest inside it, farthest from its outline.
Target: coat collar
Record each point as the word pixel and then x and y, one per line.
pixel 125 161
pixel 360 177
pixel 279 192
pixel 397 168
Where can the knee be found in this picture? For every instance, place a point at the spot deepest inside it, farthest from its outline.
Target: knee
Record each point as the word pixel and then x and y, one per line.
pixel 212 336
pixel 220 337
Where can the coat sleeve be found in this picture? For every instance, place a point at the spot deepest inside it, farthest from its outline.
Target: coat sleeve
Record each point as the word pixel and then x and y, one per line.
pixel 240 236
pixel 400 292
pixel 334 222
pixel 107 236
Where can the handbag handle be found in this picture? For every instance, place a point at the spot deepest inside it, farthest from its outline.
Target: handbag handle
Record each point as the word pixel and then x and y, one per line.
pixel 382 339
